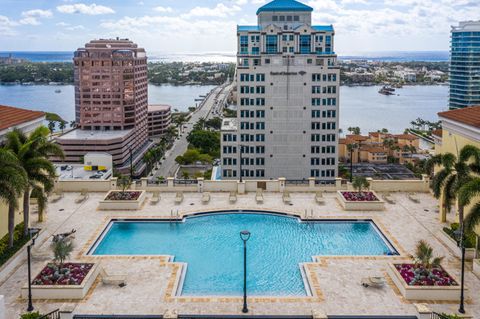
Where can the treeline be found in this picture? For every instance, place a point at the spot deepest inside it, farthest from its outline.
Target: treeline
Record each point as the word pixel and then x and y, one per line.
pixel 37 73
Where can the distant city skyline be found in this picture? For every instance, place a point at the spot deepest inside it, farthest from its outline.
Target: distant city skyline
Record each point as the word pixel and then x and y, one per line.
pixel 210 25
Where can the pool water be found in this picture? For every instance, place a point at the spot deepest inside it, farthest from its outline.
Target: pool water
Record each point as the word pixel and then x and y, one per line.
pixel 212 247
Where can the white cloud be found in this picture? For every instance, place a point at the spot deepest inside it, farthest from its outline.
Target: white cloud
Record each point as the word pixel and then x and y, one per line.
pixel 91 9
pixel 6 26
pixel 220 10
pixel 31 16
pixel 163 9
pixel 75 28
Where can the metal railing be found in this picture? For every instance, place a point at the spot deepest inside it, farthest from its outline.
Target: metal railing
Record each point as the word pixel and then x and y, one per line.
pixel 324 182
pixel 185 182
pixel 296 182
pixel 52 315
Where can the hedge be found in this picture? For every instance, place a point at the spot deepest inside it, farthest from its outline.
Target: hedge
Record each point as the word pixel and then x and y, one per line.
pixel 470 237
pixel 18 241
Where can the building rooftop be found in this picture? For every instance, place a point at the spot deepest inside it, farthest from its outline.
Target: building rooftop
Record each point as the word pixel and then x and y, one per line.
pixel 229 124
pixel 468 116
pixel 244 28
pixel 284 5
pixel 67 172
pixel 79 134
pixel 323 27
pixel 12 116
pixel 159 107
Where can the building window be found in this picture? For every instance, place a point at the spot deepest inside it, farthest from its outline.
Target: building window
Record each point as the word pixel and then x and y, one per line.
pixel 260 77
pixel 244 44
pixel 305 44
pixel 271 44
pixel 316 89
pixel 275 18
pixel 282 18
pixel 255 50
pixel 296 18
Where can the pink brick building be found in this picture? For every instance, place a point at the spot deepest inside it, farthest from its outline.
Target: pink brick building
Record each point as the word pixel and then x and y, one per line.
pixel 111 102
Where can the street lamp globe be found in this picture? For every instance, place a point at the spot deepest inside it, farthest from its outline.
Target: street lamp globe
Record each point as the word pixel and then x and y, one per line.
pixel 245 235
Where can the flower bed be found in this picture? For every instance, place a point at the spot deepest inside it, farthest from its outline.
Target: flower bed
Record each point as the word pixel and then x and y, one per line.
pixel 360 200
pixel 360 196
pixel 68 274
pixel 72 281
pixel 417 275
pixel 127 195
pixel 415 284
pixel 128 200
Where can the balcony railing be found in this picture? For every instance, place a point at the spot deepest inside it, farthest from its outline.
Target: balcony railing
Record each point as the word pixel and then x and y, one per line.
pixel 52 315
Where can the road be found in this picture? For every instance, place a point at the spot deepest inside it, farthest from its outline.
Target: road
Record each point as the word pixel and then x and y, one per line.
pixel 211 107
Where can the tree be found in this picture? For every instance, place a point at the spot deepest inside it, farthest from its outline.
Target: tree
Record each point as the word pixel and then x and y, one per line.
pixel 351 147
pixel 13 182
pixel 206 141
pixel 185 175
pixel 424 256
pixel 32 153
pixel 62 249
pixel 354 130
pixel 466 194
pixel 359 183
pixel 215 123
pixel 73 124
pixel 51 126
pixel 42 201
pixel 62 125
pixel 124 182
pixel 453 174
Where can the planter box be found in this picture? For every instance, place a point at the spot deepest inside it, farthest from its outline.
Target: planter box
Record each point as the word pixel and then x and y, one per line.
pixel 420 293
pixel 64 291
pixel 452 244
pixel 476 267
pixel 361 205
pixel 122 204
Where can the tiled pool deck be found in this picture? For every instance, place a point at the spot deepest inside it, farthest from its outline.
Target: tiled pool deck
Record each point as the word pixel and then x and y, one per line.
pixel 151 280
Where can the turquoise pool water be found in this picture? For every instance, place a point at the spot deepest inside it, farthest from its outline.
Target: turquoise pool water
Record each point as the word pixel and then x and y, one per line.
pixel 212 247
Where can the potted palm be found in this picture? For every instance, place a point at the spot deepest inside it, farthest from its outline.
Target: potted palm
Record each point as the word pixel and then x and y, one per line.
pixel 424 278
pixel 360 199
pixel 123 199
pixel 59 279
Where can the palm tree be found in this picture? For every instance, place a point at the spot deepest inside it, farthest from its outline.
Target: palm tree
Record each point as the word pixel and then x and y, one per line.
pixel 32 153
pixel 359 183
pixel 62 125
pixel 350 148
pixel 424 256
pixel 12 184
pixel 455 173
pixel 466 194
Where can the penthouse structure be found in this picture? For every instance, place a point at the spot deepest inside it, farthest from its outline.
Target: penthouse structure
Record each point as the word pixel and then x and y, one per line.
pixel 111 102
pixel 288 89
pixel 465 65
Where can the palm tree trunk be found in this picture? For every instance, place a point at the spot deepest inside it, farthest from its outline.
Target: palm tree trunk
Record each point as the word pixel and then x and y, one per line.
pixel 460 217
pixel 26 211
pixel 11 224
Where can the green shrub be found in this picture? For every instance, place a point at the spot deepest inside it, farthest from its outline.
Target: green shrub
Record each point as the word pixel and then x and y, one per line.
pixel 31 315
pixel 470 237
pixel 18 241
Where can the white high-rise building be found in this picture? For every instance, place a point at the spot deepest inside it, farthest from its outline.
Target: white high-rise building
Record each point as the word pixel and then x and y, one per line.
pixel 287 97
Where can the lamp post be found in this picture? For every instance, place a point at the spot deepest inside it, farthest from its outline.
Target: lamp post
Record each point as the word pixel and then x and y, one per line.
pixel 245 236
pixel 460 235
pixel 33 235
pixel 131 163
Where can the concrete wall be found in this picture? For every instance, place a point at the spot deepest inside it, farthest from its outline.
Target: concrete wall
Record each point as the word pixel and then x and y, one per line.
pixel 277 185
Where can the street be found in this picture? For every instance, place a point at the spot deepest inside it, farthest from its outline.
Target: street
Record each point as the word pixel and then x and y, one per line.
pixel 211 107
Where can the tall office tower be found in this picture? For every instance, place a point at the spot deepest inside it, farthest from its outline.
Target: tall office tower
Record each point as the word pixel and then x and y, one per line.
pixel 111 102
pixel 465 65
pixel 287 97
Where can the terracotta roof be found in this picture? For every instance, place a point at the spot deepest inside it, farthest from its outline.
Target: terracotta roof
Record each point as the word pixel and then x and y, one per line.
pixel 357 137
pixel 469 116
pixel 372 149
pixel 342 141
pixel 438 132
pixel 13 116
pixel 406 136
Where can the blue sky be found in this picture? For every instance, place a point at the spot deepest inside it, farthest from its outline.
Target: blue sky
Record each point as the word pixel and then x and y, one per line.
pixel 179 26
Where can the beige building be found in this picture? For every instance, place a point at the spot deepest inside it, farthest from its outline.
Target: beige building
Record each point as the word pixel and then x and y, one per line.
pixel 287 98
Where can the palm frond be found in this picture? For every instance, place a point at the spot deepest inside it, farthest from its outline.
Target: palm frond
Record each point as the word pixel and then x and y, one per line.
pixel 468 191
pixel 472 218
pixel 439 180
pixel 470 152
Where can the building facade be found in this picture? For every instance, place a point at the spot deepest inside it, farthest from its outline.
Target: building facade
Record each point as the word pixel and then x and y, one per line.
pixel 465 65
pixel 287 97
pixel 159 119
pixel 111 102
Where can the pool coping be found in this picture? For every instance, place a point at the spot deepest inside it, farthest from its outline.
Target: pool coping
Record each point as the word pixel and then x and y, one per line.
pixel 178 269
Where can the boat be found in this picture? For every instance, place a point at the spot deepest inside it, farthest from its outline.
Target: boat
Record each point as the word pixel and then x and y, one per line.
pixel 58 91
pixel 386 90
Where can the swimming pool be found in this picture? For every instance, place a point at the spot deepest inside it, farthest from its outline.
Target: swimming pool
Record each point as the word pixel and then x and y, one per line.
pixel 211 246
